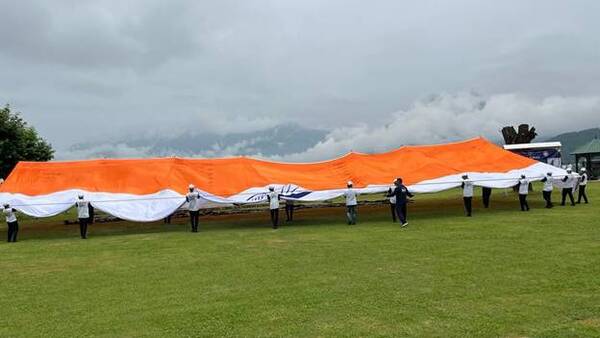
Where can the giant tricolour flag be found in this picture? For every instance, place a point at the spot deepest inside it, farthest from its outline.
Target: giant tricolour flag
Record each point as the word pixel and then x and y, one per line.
pixel 151 189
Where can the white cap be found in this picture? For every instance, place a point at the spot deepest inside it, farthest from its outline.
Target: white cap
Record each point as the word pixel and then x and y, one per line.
pixel 80 195
pixel 583 169
pixel 191 186
pixel 271 187
pixel 569 170
pixel 349 183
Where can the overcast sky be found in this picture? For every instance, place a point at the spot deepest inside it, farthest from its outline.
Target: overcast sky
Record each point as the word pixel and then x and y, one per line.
pixel 88 70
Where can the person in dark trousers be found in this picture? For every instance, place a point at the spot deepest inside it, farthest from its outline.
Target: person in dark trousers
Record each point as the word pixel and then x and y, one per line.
pixel 91 212
pixel 569 182
pixel 193 200
pixel 547 189
pixel 289 210
pixel 83 214
pixel 467 188
pixel 523 191
pixel 485 195
pixel 273 198
pixel 351 203
pixel 11 222
pixel 583 179
pixel 392 199
pixel 402 196
pixel 167 220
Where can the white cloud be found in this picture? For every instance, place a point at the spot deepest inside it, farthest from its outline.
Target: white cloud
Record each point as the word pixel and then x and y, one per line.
pixel 451 117
pixel 437 119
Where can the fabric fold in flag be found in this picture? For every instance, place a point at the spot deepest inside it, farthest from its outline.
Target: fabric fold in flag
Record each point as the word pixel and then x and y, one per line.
pixel 150 189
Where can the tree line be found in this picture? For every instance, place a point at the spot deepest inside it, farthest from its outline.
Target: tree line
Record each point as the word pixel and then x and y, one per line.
pixel 19 142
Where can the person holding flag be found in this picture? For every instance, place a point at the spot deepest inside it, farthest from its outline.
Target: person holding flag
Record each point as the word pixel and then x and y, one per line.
pixel 402 197
pixel 11 222
pixel 392 199
pixel 193 199
pixel 351 202
pixel 83 214
pixel 569 183
pixel 273 198
pixel 547 189
pixel 523 191
pixel 467 188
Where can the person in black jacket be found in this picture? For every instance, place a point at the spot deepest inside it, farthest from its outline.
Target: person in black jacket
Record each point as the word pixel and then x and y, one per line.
pixel 402 196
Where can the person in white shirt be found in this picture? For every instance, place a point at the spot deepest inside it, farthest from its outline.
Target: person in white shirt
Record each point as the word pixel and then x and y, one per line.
pixel 351 203
pixel 273 198
pixel 467 188
pixel 83 214
pixel 392 199
pixel 569 183
pixel 523 191
pixel 583 178
pixel 11 222
pixel 193 199
pixel 547 190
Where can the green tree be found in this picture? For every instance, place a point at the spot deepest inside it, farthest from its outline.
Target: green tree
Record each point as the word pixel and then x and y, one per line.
pixel 19 142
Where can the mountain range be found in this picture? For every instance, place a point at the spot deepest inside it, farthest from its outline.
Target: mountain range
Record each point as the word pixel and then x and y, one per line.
pixel 275 141
pixel 573 140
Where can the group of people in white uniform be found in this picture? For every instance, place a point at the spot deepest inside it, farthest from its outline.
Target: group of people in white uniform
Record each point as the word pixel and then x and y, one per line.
pixel 570 182
pixel 398 196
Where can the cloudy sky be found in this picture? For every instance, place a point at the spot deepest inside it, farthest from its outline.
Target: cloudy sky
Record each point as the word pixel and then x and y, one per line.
pixel 376 74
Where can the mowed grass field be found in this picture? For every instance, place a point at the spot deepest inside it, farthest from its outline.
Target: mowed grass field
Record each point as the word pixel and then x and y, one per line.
pixel 501 273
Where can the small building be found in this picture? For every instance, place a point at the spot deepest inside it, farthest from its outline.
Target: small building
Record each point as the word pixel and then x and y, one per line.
pixel 588 156
pixel 546 152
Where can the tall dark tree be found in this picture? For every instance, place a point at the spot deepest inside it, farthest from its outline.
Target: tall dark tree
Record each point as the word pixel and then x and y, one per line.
pixel 19 142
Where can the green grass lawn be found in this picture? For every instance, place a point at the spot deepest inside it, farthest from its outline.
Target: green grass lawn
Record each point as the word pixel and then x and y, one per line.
pixel 502 273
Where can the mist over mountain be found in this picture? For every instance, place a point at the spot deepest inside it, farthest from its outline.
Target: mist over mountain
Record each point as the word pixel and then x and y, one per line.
pixel 280 140
pixel 442 118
